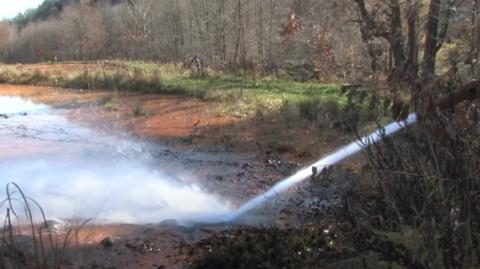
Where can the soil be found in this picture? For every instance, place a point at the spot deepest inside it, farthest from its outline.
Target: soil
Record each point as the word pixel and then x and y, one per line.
pixel 253 159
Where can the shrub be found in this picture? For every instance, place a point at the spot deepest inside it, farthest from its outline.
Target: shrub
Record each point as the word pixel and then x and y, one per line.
pixel 138 110
pixel 271 248
pixel 424 209
pixel 111 105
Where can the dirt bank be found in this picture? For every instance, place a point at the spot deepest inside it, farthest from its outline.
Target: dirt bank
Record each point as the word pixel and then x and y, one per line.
pixel 185 121
pixel 249 158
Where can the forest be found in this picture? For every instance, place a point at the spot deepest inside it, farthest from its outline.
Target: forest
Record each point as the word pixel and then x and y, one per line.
pixel 325 40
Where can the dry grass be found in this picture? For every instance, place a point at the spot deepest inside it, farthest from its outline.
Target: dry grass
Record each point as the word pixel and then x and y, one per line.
pixel 417 206
pixel 28 239
pixel 236 95
pixel 421 207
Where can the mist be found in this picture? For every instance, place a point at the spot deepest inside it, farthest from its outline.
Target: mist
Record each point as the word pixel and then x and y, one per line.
pixel 76 173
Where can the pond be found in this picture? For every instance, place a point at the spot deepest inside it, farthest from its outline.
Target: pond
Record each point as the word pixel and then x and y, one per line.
pixel 74 172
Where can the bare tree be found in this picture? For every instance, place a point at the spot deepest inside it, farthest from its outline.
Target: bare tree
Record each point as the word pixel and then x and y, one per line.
pixel 84 31
pixel 389 29
pixel 474 36
pixel 140 30
pixel 412 13
pixel 334 35
pixel 435 34
pixel 5 32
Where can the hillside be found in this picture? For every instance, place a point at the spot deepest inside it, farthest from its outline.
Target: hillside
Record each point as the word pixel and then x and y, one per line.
pixel 51 9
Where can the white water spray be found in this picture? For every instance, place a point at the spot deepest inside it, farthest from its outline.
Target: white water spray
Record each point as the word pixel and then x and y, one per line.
pixel 75 172
pixel 325 162
pixel 15 104
pixel 60 183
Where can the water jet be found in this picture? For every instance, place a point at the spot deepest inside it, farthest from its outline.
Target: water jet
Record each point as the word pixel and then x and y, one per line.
pixel 470 91
pixel 326 162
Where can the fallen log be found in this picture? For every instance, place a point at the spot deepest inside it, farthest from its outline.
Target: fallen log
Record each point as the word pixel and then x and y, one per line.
pixel 468 92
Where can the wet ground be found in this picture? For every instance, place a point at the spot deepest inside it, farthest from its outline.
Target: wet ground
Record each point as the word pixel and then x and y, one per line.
pixel 91 155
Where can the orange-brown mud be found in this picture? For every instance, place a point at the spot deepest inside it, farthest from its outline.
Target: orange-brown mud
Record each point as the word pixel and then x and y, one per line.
pixel 122 246
pixel 181 122
pixel 162 116
pixel 184 121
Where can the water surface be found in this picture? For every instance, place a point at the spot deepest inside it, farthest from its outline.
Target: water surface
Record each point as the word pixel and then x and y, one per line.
pixel 74 172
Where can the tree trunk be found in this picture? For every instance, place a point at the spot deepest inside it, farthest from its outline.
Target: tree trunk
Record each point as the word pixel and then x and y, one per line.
pixel 273 7
pixel 259 30
pixel 474 37
pixel 177 31
pixel 366 25
pixel 431 40
pixel 412 42
pixel 239 21
pixel 396 38
pixel 220 46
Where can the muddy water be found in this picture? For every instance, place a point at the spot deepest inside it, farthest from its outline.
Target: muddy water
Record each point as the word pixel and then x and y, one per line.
pixel 74 172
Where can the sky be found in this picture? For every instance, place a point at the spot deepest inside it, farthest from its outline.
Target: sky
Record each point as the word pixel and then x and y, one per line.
pixel 11 8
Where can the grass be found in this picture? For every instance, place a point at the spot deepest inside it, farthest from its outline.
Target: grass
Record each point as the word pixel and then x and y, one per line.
pixel 111 105
pixel 27 240
pixel 236 95
pixel 306 247
pixel 415 205
pixel 420 208
pixel 248 93
pixel 138 110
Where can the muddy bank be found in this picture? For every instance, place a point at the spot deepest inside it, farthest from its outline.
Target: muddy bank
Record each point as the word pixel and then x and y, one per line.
pixel 186 125
pixel 223 155
pixel 185 121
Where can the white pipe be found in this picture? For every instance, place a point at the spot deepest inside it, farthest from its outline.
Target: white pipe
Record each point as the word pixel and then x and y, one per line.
pixel 325 162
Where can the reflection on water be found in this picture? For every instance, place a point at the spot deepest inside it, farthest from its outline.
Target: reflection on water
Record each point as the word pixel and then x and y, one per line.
pixel 12 105
pixel 74 172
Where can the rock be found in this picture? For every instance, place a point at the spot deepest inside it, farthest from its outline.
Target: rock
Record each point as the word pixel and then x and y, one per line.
pixel 169 223
pixel 5 116
pixel 107 242
pixel 131 246
pixel 54 225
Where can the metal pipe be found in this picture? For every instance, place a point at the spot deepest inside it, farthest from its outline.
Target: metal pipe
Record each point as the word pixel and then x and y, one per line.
pixel 330 160
pixel 470 91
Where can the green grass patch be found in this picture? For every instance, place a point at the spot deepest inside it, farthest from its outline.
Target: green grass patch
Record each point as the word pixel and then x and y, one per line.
pixel 237 95
pixel 242 96
pixel 265 98
pixel 299 104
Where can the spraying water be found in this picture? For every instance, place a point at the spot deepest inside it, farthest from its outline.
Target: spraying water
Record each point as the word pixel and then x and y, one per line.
pixel 326 162
pixel 75 172
pixel 15 104
pixel 78 172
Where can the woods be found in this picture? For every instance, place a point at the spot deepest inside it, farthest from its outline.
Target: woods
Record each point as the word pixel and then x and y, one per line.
pixel 309 39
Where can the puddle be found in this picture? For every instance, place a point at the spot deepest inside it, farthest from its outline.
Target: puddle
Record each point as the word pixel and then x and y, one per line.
pixel 74 172
pixel 14 105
